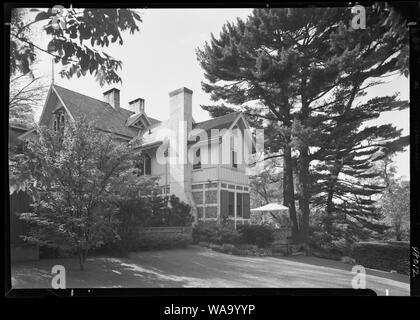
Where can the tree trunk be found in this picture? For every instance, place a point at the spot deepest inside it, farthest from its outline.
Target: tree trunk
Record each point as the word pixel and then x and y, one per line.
pixel 398 233
pixel 303 162
pixel 304 196
pixel 331 190
pixel 329 211
pixel 289 191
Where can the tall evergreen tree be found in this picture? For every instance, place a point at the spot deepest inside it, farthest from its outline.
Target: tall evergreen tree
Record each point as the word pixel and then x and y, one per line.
pixel 297 65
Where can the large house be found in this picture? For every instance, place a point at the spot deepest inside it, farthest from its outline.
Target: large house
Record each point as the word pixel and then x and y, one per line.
pixel 217 188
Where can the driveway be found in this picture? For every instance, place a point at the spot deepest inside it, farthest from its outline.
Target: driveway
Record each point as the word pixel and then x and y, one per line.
pixel 202 267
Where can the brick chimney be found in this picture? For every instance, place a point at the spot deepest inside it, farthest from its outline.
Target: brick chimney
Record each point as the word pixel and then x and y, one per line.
pixel 112 96
pixel 136 105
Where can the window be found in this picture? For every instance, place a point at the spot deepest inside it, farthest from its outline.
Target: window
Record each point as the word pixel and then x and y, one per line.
pixel 234 159
pixel 144 165
pixel 231 210
pixel 147 165
pixel 59 121
pixel 239 212
pixel 197 160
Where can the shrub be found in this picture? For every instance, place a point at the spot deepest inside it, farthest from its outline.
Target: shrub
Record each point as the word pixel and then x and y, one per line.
pixel 327 246
pixel 384 255
pixel 215 234
pixel 176 214
pixel 226 235
pixel 260 235
pixel 157 241
pixel 52 253
pixel 203 233
pixel 245 246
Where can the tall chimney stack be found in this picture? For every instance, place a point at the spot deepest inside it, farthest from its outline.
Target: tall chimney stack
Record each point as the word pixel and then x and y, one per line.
pixel 137 105
pixel 180 124
pixel 112 96
pixel 180 106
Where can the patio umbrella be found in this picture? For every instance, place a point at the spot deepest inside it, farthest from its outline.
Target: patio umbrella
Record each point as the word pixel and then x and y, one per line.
pixel 271 207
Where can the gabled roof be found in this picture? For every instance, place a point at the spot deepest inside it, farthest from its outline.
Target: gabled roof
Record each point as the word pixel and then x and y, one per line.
pixel 104 116
pixel 134 118
pixel 222 122
pixel 154 134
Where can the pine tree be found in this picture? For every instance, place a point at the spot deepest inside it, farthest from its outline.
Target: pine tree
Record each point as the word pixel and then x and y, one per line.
pixel 305 68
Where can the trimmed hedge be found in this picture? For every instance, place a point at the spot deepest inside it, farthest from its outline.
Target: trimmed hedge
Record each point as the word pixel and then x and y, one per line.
pixel 259 235
pixel 157 241
pixel 384 255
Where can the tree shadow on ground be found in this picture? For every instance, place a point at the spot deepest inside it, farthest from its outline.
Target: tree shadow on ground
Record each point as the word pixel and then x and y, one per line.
pixel 99 272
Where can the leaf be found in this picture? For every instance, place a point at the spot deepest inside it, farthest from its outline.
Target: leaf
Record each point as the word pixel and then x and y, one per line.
pixel 51 46
pixel 42 16
pixel 136 16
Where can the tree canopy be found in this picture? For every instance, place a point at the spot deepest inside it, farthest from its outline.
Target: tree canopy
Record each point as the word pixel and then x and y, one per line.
pixel 78 37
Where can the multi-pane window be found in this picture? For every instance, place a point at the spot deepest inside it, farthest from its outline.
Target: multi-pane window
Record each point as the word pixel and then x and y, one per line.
pixel 231 206
pixel 59 121
pixel 228 205
pixel 239 207
pixel 144 165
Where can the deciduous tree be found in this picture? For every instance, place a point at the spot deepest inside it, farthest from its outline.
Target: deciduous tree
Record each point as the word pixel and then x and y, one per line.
pixel 75 179
pixel 78 37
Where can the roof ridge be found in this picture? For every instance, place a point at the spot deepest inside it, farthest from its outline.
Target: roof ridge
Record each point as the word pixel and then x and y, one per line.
pixel 82 94
pixel 228 114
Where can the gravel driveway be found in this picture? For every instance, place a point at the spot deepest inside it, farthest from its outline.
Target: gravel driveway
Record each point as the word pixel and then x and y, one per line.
pixel 202 267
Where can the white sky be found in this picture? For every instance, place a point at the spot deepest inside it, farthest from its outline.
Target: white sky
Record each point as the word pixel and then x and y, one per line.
pixel 161 58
